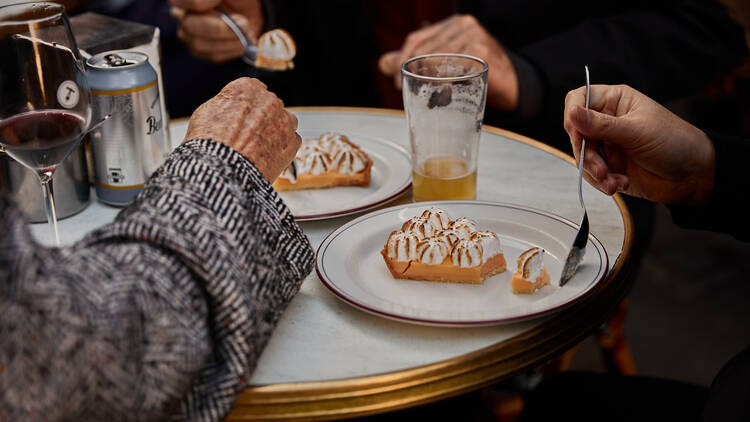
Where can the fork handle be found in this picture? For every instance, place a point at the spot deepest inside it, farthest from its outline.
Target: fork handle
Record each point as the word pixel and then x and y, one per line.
pixel 580 172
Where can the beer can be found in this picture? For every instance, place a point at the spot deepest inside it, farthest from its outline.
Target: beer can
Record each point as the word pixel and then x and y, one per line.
pixel 132 144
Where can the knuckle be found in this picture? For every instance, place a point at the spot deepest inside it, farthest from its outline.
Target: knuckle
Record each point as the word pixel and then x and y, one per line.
pixel 241 82
pixel 205 46
pixel 412 38
pixel 468 20
pixel 480 50
pixel 567 124
pixel 608 124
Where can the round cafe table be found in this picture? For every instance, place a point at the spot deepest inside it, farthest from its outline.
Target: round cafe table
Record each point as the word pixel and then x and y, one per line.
pixel 328 360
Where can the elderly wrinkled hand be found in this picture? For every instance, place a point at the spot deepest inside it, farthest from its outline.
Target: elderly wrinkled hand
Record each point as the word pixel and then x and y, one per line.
pixel 636 146
pixel 253 121
pixel 465 35
pixel 207 36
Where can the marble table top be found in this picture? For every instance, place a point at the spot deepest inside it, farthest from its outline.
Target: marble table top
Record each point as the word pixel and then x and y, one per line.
pixel 321 338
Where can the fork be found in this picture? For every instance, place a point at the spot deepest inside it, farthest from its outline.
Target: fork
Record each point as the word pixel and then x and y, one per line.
pixel 575 256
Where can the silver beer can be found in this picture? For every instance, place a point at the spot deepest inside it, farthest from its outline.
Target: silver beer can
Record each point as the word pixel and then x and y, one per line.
pixel 132 144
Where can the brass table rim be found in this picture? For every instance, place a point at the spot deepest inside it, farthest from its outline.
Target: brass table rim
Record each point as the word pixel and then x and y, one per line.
pixel 360 396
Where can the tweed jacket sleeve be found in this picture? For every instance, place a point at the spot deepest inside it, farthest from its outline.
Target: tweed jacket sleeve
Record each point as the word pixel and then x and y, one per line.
pixel 162 314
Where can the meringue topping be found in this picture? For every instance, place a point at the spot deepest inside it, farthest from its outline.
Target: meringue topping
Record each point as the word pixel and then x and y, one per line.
pixel 350 161
pixel 467 253
pixel 290 172
pixel 464 227
pixel 419 225
pixel 449 235
pixel 402 246
pixel 490 243
pixel 309 146
pixel 277 49
pixel 531 263
pixel 437 217
pixel 314 162
pixel 331 152
pixel 432 251
pixel 332 143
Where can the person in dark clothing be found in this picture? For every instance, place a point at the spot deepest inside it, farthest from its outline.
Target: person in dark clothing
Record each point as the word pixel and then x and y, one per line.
pixel 536 50
pixel 636 146
pixel 665 49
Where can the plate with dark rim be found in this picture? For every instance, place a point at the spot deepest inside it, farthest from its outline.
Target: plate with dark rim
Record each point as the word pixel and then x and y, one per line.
pixel 389 178
pixel 350 265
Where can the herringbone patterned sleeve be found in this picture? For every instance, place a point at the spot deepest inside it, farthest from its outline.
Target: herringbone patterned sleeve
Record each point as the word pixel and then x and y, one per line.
pixel 160 315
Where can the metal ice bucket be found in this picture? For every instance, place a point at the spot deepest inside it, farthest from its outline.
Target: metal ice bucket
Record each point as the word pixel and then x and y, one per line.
pixel 70 184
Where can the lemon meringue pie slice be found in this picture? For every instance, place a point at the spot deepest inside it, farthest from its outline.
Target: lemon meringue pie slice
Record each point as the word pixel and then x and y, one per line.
pixel 329 161
pixel 530 274
pixel 431 247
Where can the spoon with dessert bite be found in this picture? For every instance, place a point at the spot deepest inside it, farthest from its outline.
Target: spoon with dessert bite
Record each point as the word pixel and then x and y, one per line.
pixel 275 49
pixel 575 256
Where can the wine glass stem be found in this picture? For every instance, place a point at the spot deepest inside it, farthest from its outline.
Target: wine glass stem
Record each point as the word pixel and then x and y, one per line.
pixel 45 178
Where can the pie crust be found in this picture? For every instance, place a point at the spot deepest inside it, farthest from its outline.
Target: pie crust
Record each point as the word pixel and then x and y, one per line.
pixel 524 281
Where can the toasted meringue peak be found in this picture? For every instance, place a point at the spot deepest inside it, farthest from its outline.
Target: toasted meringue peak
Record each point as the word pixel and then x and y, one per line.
pixel 349 161
pixel 332 143
pixel 421 226
pixel 449 235
pixel 467 253
pixel 308 146
pixel 531 263
pixel 276 48
pixel 290 172
pixel 402 246
pixel 490 243
pixel 464 227
pixel 432 251
pixel 314 162
pixel 437 217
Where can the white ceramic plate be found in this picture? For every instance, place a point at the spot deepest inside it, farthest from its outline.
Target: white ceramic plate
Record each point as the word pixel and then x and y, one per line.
pixel 389 178
pixel 350 265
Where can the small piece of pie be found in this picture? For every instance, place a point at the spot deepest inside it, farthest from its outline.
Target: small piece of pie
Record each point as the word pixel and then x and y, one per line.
pixel 530 274
pixel 329 161
pixel 431 247
pixel 276 49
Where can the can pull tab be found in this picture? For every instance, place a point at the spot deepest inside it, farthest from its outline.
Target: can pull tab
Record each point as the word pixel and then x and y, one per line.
pixel 115 60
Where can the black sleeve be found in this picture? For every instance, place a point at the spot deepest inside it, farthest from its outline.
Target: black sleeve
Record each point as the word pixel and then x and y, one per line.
pixel 729 397
pixel 723 212
pixel 665 49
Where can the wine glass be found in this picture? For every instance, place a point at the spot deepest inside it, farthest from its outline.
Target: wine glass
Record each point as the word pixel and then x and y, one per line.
pixel 45 106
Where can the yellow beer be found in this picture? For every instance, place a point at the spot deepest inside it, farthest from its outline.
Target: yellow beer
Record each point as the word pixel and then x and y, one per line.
pixel 444 178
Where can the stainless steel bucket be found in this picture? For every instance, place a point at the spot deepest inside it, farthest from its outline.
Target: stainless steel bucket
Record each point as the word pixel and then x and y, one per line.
pixel 70 186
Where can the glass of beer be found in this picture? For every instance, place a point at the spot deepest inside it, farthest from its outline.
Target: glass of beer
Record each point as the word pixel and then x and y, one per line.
pixel 444 100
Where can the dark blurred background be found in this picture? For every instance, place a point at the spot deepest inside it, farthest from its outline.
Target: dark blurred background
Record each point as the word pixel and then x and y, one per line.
pixel 687 313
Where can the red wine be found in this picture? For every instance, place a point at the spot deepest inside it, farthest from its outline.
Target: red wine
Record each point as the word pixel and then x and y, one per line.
pixel 41 139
